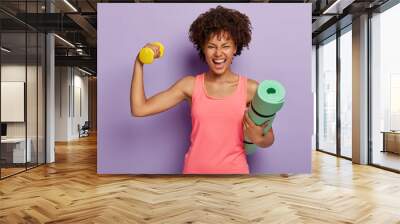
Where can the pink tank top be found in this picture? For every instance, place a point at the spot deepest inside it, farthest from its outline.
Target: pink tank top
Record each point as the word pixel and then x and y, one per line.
pixel 217 132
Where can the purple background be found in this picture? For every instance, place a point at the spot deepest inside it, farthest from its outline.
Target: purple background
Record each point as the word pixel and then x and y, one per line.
pixel 280 49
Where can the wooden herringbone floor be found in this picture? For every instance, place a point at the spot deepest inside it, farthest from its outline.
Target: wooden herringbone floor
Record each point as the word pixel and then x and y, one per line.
pixel 70 191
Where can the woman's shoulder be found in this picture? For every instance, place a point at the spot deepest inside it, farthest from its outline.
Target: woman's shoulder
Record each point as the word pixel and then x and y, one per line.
pixel 187 84
pixel 188 80
pixel 252 82
pixel 252 86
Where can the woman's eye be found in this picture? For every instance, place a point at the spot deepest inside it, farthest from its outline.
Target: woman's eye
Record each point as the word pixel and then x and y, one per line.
pixel 226 47
pixel 210 47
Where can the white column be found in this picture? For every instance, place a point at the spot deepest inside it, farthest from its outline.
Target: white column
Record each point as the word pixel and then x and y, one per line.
pixel 360 90
pixel 50 92
pixel 50 100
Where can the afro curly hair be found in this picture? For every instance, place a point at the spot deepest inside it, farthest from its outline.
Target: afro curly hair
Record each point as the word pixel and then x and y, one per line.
pixel 218 20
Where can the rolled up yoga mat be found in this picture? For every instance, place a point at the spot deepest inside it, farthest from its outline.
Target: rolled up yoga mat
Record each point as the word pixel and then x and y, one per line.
pixel 268 100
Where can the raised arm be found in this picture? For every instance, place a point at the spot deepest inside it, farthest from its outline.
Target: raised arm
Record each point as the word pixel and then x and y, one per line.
pixel 141 106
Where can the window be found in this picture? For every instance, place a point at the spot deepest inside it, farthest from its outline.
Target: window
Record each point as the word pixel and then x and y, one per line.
pixel 22 78
pixel 385 88
pixel 346 75
pixel 327 95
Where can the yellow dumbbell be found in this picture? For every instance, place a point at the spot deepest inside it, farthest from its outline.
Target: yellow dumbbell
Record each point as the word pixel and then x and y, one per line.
pixel 146 55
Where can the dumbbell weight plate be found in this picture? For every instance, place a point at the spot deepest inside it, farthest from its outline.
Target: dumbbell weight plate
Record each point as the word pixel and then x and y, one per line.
pixel 146 55
pixel 161 46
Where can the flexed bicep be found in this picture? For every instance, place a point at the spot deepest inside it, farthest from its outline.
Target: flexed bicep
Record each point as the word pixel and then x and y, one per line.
pixel 162 101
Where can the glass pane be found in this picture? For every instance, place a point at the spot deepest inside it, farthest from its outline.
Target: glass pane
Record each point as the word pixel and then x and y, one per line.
pixel 31 100
pixel 23 88
pixel 41 98
pixel 327 96
pixel 386 89
pixel 346 94
pixel 13 87
pixel 32 84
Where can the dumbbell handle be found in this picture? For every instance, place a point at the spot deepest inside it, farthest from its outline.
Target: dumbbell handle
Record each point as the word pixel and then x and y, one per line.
pixel 146 55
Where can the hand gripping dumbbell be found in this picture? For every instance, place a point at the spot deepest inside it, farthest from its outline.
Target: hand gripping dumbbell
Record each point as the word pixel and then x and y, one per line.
pixel 147 55
pixel 268 100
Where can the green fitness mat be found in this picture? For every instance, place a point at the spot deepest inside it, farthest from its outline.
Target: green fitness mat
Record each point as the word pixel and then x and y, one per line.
pixel 266 103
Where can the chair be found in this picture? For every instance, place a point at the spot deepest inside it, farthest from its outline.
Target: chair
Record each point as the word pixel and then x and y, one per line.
pixel 84 130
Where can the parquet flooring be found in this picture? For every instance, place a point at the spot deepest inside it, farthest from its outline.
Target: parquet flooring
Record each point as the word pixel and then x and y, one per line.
pixel 70 191
pixel 10 171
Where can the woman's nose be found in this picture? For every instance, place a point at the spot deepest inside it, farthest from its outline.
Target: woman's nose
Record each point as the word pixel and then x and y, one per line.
pixel 218 52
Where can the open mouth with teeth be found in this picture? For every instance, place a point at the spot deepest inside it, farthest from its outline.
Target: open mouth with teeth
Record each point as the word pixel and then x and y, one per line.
pixel 219 63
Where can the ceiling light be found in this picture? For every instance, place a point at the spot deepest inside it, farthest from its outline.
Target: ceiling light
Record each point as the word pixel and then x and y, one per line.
pixel 84 71
pixel 331 7
pixel 70 5
pixel 5 50
pixel 338 6
pixel 64 40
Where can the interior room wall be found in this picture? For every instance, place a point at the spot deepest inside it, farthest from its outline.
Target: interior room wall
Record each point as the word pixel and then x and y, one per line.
pixel 16 72
pixel 61 103
pixel 30 75
pixel 70 83
pixel 92 101
pixel 79 116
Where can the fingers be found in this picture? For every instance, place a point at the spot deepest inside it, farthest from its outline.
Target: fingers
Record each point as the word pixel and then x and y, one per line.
pixel 245 124
pixel 155 48
pixel 248 120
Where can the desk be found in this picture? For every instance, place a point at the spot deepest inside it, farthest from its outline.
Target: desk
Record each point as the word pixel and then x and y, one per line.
pixel 15 148
pixel 391 141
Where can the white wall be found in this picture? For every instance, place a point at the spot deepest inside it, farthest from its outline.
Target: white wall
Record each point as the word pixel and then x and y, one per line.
pixel 12 101
pixel 33 126
pixel 71 93
pixel 80 110
pixel 16 73
pixel 62 81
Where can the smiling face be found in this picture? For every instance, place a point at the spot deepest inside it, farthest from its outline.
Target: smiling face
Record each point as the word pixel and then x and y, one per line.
pixel 219 51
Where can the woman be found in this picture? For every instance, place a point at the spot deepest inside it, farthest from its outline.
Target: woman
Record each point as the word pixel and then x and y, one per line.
pixel 218 97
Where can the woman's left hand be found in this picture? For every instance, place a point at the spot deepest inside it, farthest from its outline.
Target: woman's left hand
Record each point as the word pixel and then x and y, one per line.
pixel 252 131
